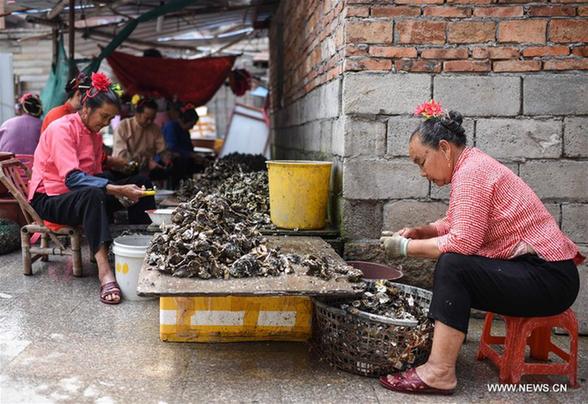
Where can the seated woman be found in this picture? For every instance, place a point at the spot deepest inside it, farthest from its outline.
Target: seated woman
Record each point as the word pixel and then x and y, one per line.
pixel 20 135
pixel 66 186
pixel 498 249
pixel 138 139
pixel 176 133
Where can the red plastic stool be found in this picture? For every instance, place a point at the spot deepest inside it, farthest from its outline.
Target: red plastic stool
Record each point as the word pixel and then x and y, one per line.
pixel 535 332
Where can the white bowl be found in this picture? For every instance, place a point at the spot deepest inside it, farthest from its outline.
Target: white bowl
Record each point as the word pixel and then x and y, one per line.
pixel 160 216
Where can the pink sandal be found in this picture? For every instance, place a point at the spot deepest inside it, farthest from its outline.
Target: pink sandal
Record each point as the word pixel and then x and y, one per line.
pixel 410 382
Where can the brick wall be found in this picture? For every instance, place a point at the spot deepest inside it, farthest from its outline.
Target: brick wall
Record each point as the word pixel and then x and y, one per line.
pixel 434 36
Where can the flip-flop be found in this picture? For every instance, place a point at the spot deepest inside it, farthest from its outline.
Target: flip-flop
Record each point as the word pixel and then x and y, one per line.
pixel 410 382
pixel 110 288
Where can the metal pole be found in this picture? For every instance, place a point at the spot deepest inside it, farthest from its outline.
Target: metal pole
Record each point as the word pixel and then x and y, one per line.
pixel 72 37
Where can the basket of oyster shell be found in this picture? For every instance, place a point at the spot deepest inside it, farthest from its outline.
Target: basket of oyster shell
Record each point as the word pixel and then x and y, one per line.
pixel 384 331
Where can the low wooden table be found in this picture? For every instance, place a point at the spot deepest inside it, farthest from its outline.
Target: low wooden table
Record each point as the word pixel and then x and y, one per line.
pixel 154 283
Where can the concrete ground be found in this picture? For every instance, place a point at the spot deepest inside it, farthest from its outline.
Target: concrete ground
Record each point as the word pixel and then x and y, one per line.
pixel 58 343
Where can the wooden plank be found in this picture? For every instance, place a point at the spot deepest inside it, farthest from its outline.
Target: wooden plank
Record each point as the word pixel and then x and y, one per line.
pixel 328 232
pixel 154 283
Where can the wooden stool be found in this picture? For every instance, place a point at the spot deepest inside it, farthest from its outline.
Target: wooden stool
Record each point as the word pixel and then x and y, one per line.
pixel 535 332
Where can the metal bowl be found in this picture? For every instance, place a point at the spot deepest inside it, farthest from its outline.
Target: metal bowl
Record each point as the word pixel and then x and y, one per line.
pixel 372 270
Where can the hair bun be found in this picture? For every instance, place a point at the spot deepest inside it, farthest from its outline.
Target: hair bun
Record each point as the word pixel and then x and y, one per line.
pixel 453 123
pixel 456 117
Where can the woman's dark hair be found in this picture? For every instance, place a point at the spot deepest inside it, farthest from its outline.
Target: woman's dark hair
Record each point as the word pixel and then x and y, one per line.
pixel 31 105
pixel 80 82
pixel 146 103
pixel 448 128
pixel 100 98
pixel 189 115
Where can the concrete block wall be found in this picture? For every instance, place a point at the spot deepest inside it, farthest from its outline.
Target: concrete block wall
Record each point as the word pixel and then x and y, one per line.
pixel 508 117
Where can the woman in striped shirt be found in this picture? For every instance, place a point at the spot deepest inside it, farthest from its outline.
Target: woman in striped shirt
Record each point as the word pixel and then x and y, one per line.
pixel 498 248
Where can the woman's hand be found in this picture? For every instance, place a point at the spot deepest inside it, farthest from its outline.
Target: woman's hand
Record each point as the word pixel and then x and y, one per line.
pixel 415 233
pixel 129 191
pixel 395 246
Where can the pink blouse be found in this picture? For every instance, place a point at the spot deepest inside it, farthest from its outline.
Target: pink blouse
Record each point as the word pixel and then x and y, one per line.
pixel 66 145
pixel 494 213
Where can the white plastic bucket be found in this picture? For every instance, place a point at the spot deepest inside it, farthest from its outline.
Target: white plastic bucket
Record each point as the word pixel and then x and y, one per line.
pixel 129 254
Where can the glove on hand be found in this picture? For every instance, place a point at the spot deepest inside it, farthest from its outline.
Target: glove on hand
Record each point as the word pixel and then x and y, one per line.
pixel 395 245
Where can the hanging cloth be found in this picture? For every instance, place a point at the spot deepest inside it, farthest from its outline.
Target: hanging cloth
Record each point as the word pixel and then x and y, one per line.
pixel 195 80
pixel 53 94
pixel 165 8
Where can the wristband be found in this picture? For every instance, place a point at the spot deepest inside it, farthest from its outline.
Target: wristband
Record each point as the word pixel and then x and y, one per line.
pixel 404 247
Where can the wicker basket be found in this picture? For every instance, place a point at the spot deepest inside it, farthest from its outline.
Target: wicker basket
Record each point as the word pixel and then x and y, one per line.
pixel 371 345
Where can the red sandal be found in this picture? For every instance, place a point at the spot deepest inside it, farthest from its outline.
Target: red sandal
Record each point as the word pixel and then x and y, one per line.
pixel 110 288
pixel 410 382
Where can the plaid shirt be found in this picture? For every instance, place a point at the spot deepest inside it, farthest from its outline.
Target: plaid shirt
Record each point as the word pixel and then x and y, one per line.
pixel 493 213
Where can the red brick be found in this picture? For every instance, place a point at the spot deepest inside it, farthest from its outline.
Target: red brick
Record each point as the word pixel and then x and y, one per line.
pixel 369 31
pixel 425 32
pixel 419 66
pixel 522 1
pixel 471 32
pixel 419 1
pixel 355 64
pixel 516 11
pixel 356 50
pixel 580 51
pixel 583 11
pixel 566 64
pixel 568 30
pixel 547 11
pixel 393 52
pixel 495 53
pixel 396 11
pixel 470 1
pixel 522 31
pixel 517 66
pixel 358 11
pixel 534 51
pixel 467 66
pixel 460 53
pixel 456 12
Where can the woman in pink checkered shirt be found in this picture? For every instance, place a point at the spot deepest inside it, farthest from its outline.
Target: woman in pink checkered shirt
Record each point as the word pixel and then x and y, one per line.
pixel 498 248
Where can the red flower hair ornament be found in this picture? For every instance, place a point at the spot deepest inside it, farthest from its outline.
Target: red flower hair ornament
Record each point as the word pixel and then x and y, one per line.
pixel 100 82
pixel 429 109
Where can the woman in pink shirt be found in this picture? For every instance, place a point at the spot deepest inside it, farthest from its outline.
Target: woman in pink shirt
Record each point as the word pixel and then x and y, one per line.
pixel 67 186
pixel 498 249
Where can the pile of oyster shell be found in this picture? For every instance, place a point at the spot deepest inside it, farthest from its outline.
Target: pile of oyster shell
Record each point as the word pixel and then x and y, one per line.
pixel 385 299
pixel 219 172
pixel 214 237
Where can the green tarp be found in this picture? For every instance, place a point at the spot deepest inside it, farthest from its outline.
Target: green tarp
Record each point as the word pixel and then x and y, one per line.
pixel 53 93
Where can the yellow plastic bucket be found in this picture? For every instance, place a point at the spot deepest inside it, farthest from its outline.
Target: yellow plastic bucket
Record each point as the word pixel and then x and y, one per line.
pixel 299 192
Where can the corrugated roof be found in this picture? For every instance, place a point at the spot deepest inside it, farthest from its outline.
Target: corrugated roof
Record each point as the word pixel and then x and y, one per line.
pixel 201 28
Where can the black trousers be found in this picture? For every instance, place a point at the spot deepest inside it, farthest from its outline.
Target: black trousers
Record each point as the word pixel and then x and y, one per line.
pixel 525 286
pixel 92 208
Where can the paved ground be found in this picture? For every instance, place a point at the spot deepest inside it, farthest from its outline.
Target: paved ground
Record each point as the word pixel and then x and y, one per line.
pixel 58 343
